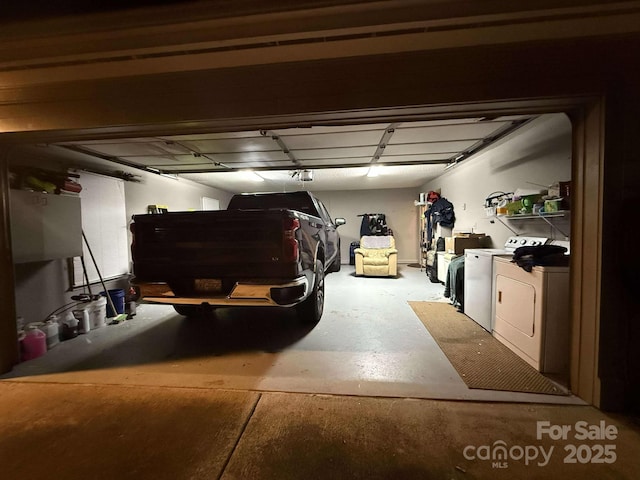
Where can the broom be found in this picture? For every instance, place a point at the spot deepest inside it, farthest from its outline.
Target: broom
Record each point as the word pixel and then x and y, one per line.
pixel 118 316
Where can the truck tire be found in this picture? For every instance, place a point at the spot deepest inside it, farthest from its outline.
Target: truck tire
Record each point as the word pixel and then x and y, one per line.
pixel 335 265
pixel 194 310
pixel 310 310
pixel 186 310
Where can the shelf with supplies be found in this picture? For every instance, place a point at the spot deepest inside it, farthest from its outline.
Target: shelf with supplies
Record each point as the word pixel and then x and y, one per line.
pixel 525 216
pixel 545 216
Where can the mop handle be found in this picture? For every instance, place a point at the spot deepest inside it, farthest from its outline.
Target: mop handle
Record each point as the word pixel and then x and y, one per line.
pixel 95 264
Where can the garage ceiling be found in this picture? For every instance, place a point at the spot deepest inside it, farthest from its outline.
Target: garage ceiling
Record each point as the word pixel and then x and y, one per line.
pixel 383 155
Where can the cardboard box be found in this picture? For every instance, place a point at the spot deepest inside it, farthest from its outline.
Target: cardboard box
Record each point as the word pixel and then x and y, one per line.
pixel 460 244
pixel 468 235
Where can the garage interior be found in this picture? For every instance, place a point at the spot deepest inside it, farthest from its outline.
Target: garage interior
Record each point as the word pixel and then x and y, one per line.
pixel 159 348
pixel 357 349
pixel 365 343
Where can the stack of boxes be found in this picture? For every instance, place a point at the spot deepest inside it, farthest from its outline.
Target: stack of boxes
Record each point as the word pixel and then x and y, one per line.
pixel 454 247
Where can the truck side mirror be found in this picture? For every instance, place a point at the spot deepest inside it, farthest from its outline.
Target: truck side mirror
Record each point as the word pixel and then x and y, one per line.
pixel 339 221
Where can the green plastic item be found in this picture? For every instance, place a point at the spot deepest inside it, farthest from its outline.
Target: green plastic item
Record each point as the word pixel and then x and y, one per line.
pixel 40 185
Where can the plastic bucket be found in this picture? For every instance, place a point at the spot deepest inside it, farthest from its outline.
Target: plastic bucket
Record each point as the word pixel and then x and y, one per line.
pixel 98 312
pixel 117 297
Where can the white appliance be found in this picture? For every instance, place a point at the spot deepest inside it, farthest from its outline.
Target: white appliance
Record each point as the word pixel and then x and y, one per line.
pixel 478 277
pixel 531 313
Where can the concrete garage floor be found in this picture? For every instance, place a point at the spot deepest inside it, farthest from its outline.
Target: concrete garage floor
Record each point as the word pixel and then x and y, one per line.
pixel 77 432
pixel 166 397
pixel 368 342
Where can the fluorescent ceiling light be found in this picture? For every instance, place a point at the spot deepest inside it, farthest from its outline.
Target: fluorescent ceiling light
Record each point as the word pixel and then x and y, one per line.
pixel 374 171
pixel 251 176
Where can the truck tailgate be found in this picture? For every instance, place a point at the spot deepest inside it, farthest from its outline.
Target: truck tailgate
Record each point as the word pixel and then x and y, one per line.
pixel 213 244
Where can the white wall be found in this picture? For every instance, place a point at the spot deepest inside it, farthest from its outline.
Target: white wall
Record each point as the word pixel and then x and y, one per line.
pixel 177 194
pixel 396 203
pixel 538 153
pixel 42 286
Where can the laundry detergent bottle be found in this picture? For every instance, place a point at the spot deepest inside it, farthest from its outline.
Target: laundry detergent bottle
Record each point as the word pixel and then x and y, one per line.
pixel 34 343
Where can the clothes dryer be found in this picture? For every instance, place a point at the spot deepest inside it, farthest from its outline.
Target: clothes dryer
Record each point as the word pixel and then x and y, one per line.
pixel 478 277
pixel 531 314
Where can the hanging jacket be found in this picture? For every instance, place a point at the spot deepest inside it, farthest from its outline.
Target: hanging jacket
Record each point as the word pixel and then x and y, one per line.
pixel 441 212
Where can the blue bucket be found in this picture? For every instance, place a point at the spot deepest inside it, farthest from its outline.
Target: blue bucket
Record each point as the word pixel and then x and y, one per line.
pixel 117 297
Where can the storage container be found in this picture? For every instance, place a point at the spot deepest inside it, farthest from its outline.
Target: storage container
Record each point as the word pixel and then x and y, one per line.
pixel 528 201
pixel 84 322
pixel 117 297
pixel 52 330
pixel 34 343
pixel 551 206
pixel 69 327
pixel 514 208
pixel 459 244
pixel 98 312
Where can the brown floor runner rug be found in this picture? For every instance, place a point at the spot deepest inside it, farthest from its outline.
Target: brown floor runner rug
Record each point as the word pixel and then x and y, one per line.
pixel 481 360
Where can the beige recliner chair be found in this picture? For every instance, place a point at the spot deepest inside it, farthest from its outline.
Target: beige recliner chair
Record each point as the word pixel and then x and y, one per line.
pixel 377 256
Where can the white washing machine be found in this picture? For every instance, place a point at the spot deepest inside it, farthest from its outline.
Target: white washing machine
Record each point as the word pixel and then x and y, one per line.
pixel 531 313
pixel 478 277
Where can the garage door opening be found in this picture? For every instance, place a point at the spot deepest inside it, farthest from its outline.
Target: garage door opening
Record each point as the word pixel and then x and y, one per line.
pixel 369 340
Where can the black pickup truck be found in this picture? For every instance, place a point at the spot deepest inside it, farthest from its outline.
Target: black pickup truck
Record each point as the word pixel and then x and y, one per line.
pixel 266 249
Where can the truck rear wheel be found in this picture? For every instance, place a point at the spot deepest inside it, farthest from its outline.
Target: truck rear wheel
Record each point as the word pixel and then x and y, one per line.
pixel 310 310
pixel 194 310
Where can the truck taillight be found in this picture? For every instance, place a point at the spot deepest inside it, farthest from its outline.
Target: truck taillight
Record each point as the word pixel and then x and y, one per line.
pixel 291 249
